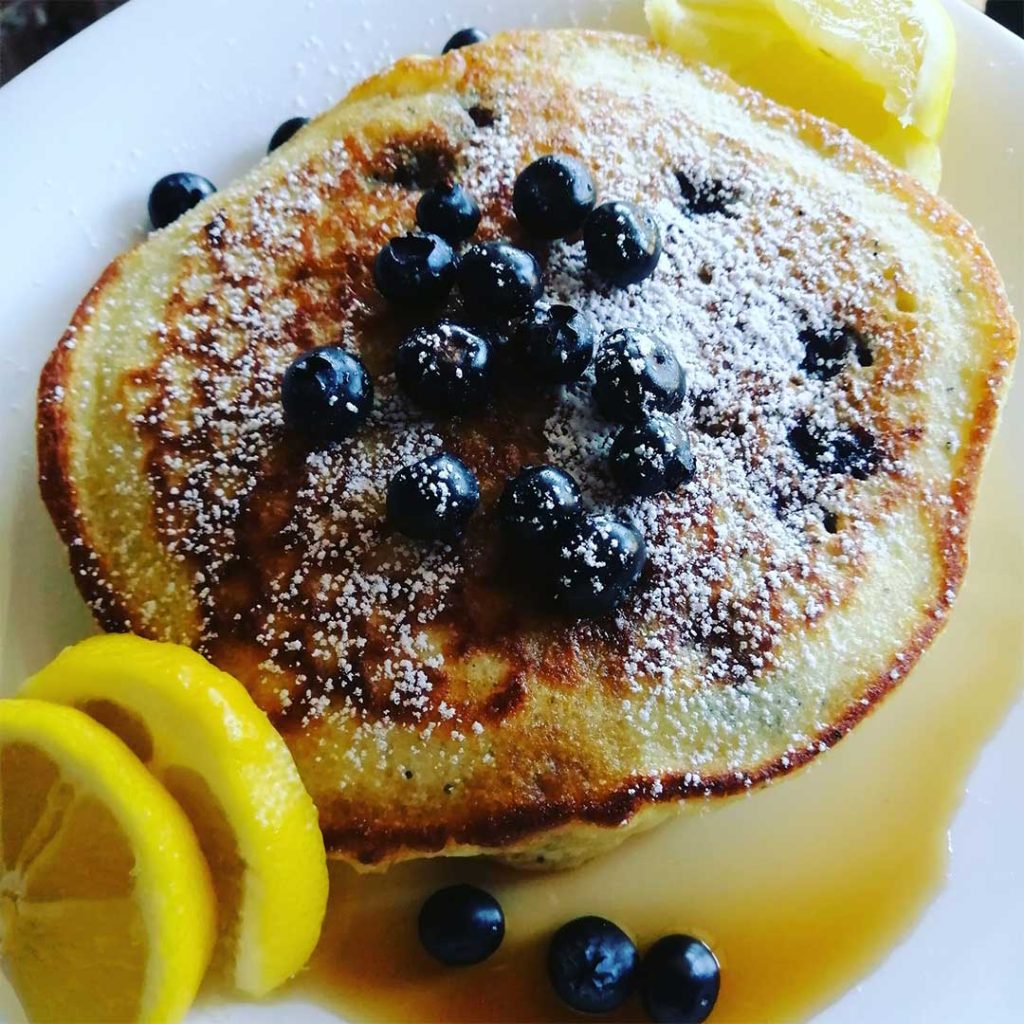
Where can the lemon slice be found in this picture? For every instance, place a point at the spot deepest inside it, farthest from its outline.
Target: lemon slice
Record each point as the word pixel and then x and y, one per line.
pixel 106 907
pixel 881 68
pixel 197 729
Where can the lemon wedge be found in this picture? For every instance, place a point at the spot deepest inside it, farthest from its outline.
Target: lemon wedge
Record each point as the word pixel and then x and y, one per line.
pixel 199 732
pixel 883 69
pixel 106 907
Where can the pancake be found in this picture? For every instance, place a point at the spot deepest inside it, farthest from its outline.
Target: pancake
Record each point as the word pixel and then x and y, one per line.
pixel 434 703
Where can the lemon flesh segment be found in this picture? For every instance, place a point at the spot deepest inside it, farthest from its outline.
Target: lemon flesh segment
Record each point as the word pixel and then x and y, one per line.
pixel 107 911
pixel 199 732
pixel 882 69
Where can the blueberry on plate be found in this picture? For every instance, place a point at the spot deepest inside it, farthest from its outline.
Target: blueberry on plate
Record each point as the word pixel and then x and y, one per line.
pixel 461 925
pixel 622 242
pixel 175 194
pixel 650 457
pixel 539 504
pixel 433 499
pixel 327 394
pixel 448 210
pixel 465 37
pixel 553 196
pixel 555 343
pixel 680 980
pixel 285 131
pixel 592 965
pixel 444 367
pixel 497 281
pixel 596 565
pixel 637 374
pixel 415 270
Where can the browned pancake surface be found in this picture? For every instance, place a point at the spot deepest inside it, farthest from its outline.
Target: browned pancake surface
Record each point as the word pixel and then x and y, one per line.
pixel 433 700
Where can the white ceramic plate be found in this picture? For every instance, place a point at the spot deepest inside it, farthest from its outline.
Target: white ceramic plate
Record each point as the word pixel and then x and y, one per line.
pixel 163 85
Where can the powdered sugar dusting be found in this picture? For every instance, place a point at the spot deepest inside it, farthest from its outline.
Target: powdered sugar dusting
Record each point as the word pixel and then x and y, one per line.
pixel 288 547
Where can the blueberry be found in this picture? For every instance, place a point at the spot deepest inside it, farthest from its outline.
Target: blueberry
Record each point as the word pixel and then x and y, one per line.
pixel 708 197
pixel 539 504
pixel 465 37
pixel 637 374
pixel 415 270
pixel 844 451
pixel 826 352
pixel 327 394
pixel 498 281
pixel 652 457
pixel 433 499
pixel 807 442
pixel 553 196
pixel 556 343
pixel 285 131
pixel 597 564
pixel 592 965
pixel 444 367
pixel 854 452
pixel 622 242
pixel 679 980
pixel 461 925
pixel 176 194
pixel 450 211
